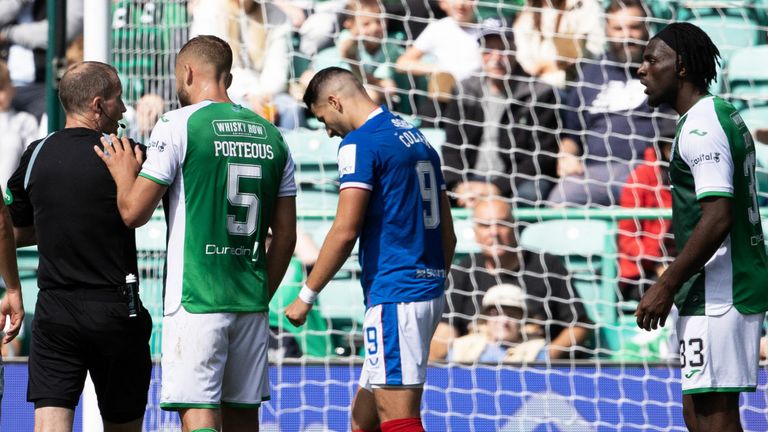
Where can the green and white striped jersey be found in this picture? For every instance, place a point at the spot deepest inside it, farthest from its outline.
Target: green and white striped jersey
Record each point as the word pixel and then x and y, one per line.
pixel 225 168
pixel 714 155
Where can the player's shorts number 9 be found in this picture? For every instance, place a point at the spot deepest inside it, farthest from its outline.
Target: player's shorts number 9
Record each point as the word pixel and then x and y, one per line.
pixel 372 340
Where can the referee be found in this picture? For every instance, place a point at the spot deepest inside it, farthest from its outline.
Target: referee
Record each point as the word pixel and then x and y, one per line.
pixel 87 318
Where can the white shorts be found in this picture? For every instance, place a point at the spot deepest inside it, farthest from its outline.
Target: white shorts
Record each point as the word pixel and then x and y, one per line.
pixel 213 359
pixel 719 353
pixel 397 337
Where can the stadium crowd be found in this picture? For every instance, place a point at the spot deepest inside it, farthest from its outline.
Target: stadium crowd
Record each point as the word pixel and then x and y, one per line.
pixel 539 102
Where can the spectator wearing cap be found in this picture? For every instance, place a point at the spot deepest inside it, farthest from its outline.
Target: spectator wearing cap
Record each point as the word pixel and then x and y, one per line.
pixel 501 129
pixel 550 301
pixel 500 337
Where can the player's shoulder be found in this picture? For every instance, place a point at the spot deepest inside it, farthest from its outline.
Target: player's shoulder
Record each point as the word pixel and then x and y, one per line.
pixel 182 113
pixel 711 120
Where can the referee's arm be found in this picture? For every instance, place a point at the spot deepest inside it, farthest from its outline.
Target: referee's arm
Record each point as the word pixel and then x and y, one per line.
pixel 137 197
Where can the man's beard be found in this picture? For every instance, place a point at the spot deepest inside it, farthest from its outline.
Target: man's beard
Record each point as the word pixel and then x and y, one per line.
pixel 184 98
pixel 627 52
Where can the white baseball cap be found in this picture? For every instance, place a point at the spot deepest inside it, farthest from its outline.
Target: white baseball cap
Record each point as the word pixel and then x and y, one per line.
pixel 509 295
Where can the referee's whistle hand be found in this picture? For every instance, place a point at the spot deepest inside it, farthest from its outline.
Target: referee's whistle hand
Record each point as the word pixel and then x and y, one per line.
pixel 297 312
pixel 654 307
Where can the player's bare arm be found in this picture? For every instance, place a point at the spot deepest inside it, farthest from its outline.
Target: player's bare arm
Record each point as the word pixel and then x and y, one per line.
pixel 709 234
pixel 336 248
pixel 137 197
pixel 447 233
pixel 283 241
pixel 13 306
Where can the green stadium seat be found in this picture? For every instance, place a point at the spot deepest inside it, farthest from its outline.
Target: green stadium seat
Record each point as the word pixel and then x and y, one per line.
pixel 312 147
pixel 465 237
pixel 150 251
pixel 312 199
pixel 314 154
pixel 342 300
pixel 757 118
pixel 748 80
pixel 313 337
pixel 729 33
pixel 436 138
pixel 588 248
pixel 638 345
pixel 152 235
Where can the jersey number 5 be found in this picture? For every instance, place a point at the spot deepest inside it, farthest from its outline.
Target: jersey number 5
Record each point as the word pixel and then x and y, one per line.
pixel 239 198
pixel 429 195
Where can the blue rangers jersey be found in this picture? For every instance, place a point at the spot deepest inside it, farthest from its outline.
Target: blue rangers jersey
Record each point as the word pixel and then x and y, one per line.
pixel 401 247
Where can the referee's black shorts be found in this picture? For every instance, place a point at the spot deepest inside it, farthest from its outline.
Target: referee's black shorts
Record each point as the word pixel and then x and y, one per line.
pixel 87 329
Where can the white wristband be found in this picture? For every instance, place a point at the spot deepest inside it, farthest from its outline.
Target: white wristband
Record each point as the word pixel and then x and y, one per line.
pixel 307 295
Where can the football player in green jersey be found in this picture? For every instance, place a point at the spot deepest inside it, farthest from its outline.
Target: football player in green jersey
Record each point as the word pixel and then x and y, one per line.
pixel 719 281
pixel 229 179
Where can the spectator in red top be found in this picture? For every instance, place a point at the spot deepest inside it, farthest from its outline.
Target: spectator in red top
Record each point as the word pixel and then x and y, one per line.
pixel 645 245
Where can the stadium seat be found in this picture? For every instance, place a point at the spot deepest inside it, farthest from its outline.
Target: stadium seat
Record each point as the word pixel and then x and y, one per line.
pixel 436 138
pixel 588 248
pixel 465 237
pixel 729 33
pixel 313 337
pixel 748 79
pixel 757 118
pixel 310 199
pixel 314 154
pixel 150 251
pixel 342 300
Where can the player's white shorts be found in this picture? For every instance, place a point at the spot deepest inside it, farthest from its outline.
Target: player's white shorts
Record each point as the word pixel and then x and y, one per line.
pixel 719 353
pixel 213 359
pixel 397 337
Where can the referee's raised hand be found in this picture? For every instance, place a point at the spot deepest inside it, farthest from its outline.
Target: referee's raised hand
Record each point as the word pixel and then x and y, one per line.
pixel 121 157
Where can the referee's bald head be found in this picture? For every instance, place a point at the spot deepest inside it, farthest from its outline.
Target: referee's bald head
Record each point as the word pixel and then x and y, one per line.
pixel 83 82
pixel 332 81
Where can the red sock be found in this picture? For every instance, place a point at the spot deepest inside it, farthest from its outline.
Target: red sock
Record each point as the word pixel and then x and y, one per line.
pixel 403 425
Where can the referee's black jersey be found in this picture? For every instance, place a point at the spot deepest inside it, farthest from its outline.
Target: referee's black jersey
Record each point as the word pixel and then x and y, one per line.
pixel 64 190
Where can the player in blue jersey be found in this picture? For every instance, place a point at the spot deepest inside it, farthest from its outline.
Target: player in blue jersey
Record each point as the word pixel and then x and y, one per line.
pixel 393 197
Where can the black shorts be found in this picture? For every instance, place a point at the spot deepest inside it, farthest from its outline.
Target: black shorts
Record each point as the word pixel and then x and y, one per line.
pixel 81 330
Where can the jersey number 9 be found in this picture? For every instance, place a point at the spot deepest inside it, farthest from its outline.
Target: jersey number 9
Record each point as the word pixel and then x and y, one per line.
pixel 429 194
